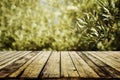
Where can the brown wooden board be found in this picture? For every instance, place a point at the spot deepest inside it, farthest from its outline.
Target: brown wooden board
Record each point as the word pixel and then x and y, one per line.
pixel 34 69
pixel 52 68
pixel 60 65
pixel 84 70
pixel 4 72
pixel 67 67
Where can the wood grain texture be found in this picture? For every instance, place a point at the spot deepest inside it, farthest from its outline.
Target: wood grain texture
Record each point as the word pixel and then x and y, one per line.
pixel 23 67
pixel 16 65
pixel 107 60
pixel 52 68
pixel 67 67
pixel 11 59
pixel 96 68
pixel 34 69
pixel 60 65
pixel 83 68
pixel 106 68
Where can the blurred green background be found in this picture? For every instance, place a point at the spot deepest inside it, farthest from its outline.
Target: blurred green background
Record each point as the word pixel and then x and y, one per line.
pixel 60 25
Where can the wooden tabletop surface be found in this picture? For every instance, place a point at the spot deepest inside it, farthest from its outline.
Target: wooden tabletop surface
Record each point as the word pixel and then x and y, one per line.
pixel 60 64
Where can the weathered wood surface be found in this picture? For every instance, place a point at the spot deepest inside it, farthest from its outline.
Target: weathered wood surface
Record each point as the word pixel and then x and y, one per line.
pixel 71 65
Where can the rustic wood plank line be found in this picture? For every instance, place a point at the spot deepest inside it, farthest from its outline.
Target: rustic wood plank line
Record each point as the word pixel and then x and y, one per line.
pixel 67 67
pixel 12 59
pixel 82 67
pixel 63 65
pixel 4 72
pixel 8 55
pixel 3 52
pixel 22 68
pixel 34 69
pixel 96 68
pixel 114 56
pixel 52 68
pixel 106 68
pixel 108 61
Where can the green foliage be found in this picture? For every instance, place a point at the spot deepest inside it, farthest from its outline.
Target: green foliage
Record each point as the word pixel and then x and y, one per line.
pixel 100 25
pixel 59 25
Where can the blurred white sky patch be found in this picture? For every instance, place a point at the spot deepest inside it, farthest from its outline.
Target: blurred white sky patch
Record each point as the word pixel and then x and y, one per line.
pixel 57 13
pixel 71 7
pixel 51 10
pixel 43 2
pixel 56 9
pixel 56 21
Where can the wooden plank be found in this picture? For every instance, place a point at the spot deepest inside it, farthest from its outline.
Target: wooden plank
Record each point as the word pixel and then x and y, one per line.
pixel 67 67
pixel 106 68
pixel 96 68
pixel 15 65
pixel 8 55
pixel 3 52
pixel 12 59
pixel 82 67
pixel 22 68
pixel 114 56
pixel 52 68
pixel 107 60
pixel 34 69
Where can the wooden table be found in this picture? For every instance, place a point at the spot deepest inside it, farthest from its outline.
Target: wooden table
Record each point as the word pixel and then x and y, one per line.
pixel 60 64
